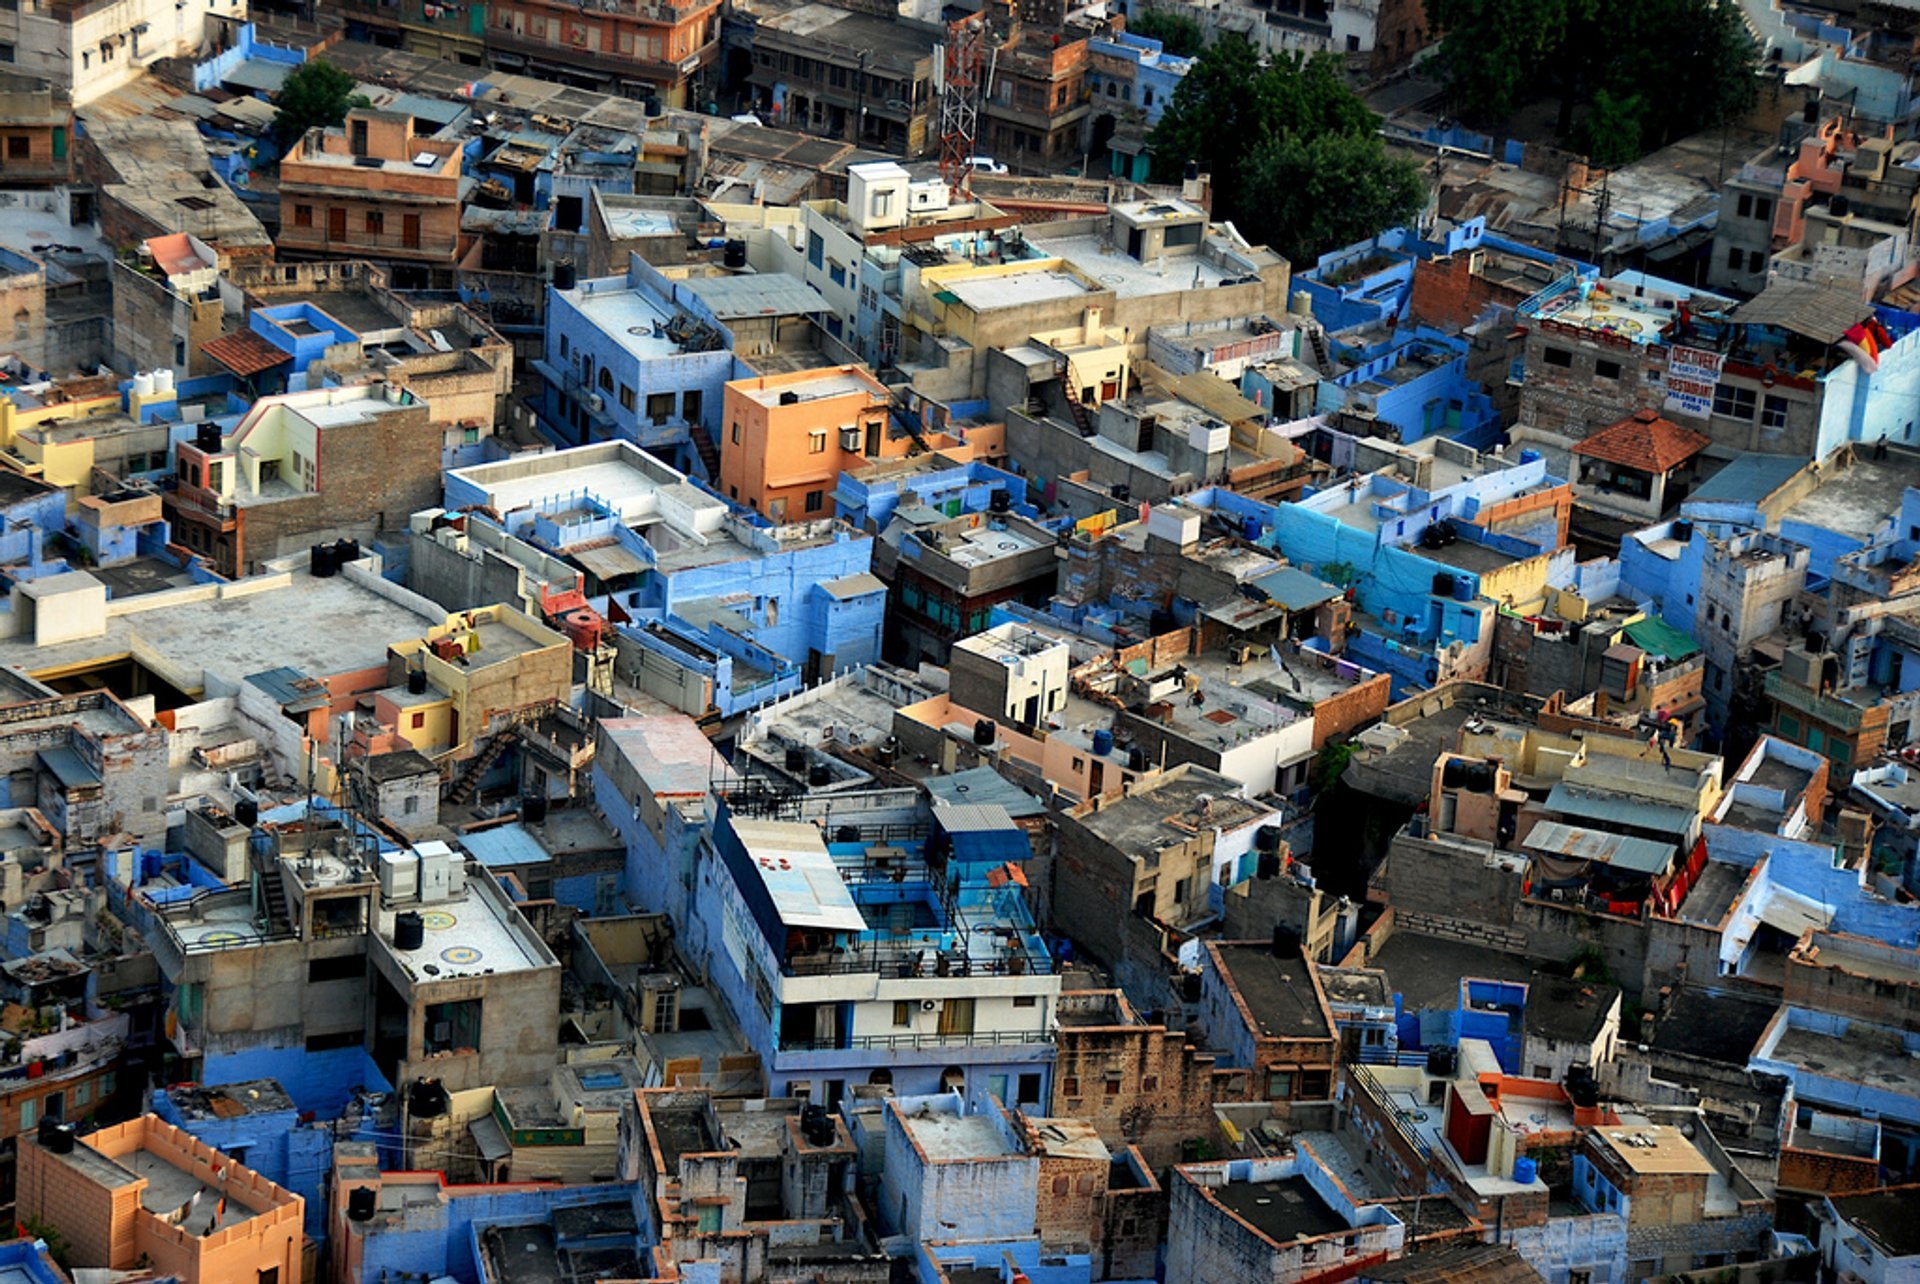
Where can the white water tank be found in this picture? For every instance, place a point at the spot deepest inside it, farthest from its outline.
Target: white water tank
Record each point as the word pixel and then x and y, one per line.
pixel 143 384
pixel 163 381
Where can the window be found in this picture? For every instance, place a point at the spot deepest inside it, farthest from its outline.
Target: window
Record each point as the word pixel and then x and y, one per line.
pixel 1735 403
pixel 1029 1089
pixel 1113 1087
pixel 1745 206
pixel 816 500
pixel 419 721
pixel 736 432
pixel 1279 1085
pixel 626 398
pixel 376 222
pixel 1607 369
pixel 815 248
pixel 902 1012
pixel 1024 1000
pixel 347 967
pixel 82 1093
pixel 660 406
pixel 268 1275
pixel 1070 1087
pixel 817 442
pixel 303 216
pixel 29 1113
pixel 1762 208
pixel 690 406
pixel 1773 412
pixel 411 805
pixel 1560 357
pixel 19 147
pixel 452 1027
pixel 606 379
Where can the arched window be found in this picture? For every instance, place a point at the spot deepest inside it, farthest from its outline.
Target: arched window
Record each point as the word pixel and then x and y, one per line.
pixel 606 379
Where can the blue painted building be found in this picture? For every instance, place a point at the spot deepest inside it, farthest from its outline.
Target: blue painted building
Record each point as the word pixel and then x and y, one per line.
pixel 1414 381
pixel 1144 74
pixel 1414 602
pixel 752 611
pixel 868 501
pixel 913 962
pixel 644 358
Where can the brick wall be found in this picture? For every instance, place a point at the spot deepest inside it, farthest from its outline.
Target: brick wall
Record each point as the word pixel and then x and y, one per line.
pixel 1138 1083
pixel 372 475
pixel 1448 293
pixel 1815 1171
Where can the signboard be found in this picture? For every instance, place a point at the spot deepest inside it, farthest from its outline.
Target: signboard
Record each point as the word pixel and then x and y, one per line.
pixel 1692 376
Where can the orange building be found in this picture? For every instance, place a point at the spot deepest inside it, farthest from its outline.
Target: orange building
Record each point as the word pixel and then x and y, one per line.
pixel 790 436
pixel 656 47
pixel 372 189
pixel 144 1191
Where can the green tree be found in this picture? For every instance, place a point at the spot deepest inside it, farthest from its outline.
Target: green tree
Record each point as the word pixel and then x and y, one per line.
pixel 1494 53
pixel 317 93
pixel 1611 134
pixel 1650 71
pixel 1294 154
pixel 1176 32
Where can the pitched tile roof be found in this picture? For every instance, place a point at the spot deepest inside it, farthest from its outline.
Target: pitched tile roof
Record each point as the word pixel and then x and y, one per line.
pixel 1645 441
pixel 244 352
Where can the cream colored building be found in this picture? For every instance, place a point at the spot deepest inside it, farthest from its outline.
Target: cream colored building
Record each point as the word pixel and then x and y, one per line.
pixel 92 47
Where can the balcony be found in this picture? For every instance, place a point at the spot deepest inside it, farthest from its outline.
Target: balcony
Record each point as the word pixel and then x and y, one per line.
pixel 318 240
pixel 914 1042
pixel 1826 709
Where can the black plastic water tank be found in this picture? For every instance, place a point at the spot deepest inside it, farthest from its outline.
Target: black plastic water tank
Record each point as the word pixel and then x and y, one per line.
pixel 346 550
pixel 533 809
pixel 1136 759
pixel 984 731
pixel 56 1136
pixel 362 1201
pixel 416 681
pixel 847 834
pixel 206 438
pixel 1268 865
pixel 409 931
pixel 1442 584
pixel 1683 530
pixel 320 562
pixel 819 774
pixel 564 276
pixel 1000 501
pixel 1267 838
pixel 428 1099
pixel 1191 986
pixel 247 812
pixel 796 759
pixel 734 254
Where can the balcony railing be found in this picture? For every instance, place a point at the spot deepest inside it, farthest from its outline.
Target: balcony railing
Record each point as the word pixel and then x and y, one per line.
pixel 1834 713
pixel 351 242
pixel 907 1042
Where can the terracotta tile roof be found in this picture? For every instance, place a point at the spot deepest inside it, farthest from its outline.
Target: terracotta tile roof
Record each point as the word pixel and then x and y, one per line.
pixel 244 352
pixel 1645 441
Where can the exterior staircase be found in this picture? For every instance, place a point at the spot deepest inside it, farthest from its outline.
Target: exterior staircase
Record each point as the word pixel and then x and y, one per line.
pixel 708 452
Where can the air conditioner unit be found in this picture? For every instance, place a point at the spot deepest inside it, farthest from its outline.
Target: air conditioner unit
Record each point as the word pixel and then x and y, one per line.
pixel 596 403
pixel 850 439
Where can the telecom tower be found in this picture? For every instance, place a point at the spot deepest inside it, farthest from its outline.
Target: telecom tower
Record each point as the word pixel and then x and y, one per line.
pixel 960 80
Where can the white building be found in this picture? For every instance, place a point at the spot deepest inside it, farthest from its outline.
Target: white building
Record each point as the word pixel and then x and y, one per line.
pixel 92 47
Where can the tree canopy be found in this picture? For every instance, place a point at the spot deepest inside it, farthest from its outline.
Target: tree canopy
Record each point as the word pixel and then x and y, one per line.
pixel 317 93
pixel 1294 154
pixel 1649 72
pixel 1176 32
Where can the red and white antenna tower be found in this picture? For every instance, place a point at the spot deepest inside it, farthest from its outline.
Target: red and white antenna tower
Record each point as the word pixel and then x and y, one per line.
pixel 962 84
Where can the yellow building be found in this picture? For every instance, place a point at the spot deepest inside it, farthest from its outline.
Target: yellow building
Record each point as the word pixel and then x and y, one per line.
pixel 485 664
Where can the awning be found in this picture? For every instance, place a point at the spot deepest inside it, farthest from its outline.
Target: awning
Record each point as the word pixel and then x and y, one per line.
pixel 244 352
pixel 1572 842
pixel 490 1138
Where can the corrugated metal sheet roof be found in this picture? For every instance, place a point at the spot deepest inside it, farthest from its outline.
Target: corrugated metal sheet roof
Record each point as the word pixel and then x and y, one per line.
pixel 800 877
pixel 1614 809
pixel 857 585
pixel 1657 637
pixel 1293 589
pixel 1638 855
pixel 983 785
pixel 973 817
pixel 505 845
pixel 1823 313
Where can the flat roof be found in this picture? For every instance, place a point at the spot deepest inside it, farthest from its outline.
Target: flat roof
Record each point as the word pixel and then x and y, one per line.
pixel 947 1138
pixel 472 936
pixel 1127 276
pixel 1722 1027
pixel 1279 992
pixel 1426 971
pixel 669 752
pixel 1651 1149
pixel 817 386
pixel 320 627
pixel 1284 1210
pixel 1856 501
pixel 799 875
pixel 1015 289
pixel 1748 479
